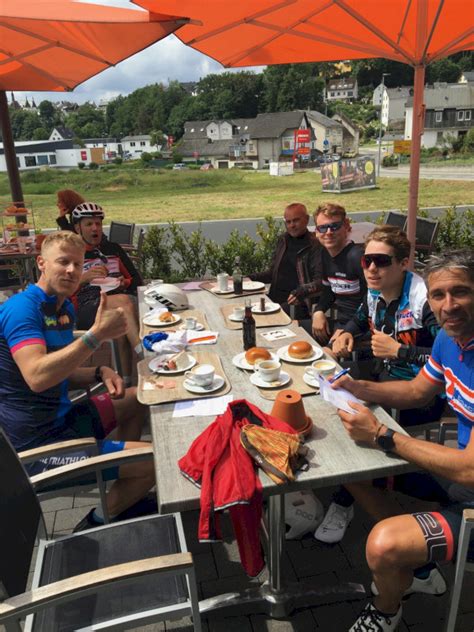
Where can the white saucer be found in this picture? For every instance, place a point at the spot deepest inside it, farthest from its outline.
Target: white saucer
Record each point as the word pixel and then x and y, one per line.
pixel 199 327
pixel 241 363
pixel 216 290
pixel 310 381
pixel 153 365
pixel 152 320
pixel 194 388
pixel 250 286
pixel 282 353
pixel 257 380
pixel 234 319
pixel 270 308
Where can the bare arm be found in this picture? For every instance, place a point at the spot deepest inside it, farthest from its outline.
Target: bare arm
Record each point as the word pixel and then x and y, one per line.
pixel 399 394
pixel 42 370
pixel 455 465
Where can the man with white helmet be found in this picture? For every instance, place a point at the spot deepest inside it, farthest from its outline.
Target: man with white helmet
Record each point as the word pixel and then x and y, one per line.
pixel 105 260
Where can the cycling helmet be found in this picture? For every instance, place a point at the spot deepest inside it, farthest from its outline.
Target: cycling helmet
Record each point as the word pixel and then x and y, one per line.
pixel 303 514
pixel 87 209
pixel 168 295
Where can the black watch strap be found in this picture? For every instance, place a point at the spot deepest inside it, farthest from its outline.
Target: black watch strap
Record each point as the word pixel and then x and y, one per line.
pixel 98 374
pixel 385 440
pixel 403 352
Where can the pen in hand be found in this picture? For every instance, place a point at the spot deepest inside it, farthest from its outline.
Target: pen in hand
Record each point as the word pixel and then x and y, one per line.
pixel 338 375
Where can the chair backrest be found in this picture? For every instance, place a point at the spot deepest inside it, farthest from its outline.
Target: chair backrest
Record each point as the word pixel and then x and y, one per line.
pixel 426 231
pixel 121 233
pixel 20 517
pixel 396 219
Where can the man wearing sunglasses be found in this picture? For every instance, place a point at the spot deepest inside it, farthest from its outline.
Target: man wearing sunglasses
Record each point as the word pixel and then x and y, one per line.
pixel 297 261
pixel 343 278
pixel 402 550
pixel 396 312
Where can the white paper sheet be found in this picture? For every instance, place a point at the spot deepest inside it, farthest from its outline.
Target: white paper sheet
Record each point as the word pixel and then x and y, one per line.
pixel 202 407
pixel 277 334
pixel 339 398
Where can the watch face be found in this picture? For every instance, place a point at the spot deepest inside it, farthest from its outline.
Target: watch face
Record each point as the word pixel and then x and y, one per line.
pixel 386 441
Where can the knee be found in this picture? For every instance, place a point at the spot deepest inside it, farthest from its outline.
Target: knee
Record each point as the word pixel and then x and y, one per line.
pixel 384 546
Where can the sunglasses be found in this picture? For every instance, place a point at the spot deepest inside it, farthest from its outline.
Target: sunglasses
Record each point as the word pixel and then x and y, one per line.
pixel 323 229
pixel 380 260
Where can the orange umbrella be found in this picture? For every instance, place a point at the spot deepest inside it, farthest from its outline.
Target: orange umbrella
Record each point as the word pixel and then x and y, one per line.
pixel 262 32
pixel 54 45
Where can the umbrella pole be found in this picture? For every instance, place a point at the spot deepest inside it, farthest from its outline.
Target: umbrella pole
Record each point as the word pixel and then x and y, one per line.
pixel 9 150
pixel 416 132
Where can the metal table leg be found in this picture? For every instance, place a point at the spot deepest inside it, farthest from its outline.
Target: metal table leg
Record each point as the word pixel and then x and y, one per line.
pixel 275 598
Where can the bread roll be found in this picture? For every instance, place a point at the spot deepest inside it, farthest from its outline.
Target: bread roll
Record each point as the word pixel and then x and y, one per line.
pixel 300 349
pixel 166 317
pixel 257 353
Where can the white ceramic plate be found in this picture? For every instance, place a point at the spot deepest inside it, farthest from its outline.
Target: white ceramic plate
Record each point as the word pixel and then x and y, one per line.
pixel 152 320
pixel 282 353
pixel 250 286
pixel 257 380
pixel 216 290
pixel 234 319
pixel 106 283
pixel 241 363
pixel 190 361
pixel 311 381
pixel 194 388
pixel 199 327
pixel 270 308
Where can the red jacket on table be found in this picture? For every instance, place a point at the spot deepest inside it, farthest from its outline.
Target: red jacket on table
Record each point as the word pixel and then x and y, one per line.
pixel 218 464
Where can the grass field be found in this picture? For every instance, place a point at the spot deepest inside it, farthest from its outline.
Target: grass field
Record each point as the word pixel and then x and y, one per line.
pixel 146 196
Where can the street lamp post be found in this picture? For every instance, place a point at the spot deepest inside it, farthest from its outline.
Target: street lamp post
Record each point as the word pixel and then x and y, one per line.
pixel 384 74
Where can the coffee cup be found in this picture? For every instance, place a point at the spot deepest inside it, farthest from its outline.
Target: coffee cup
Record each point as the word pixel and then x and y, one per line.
pixel 155 282
pixel 201 375
pixel 323 367
pixel 238 312
pixel 222 281
pixel 190 323
pixel 268 370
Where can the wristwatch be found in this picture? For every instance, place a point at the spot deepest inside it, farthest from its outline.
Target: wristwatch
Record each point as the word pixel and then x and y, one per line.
pixel 385 441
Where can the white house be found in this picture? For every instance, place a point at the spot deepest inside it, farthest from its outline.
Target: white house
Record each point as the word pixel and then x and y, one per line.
pixel 449 113
pixel 392 101
pixel 42 153
pixel 342 89
pixel 136 145
pixel 325 129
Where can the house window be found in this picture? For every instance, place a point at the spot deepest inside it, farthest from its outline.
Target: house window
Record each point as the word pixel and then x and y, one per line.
pixel 438 117
pixel 132 143
pixel 52 159
pixel 467 115
pixel 142 143
pixel 350 93
pixel 461 115
pixel 439 138
pixel 30 161
pixel 42 160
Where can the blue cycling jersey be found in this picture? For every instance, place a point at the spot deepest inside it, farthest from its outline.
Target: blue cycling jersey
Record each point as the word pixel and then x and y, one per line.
pixel 453 365
pixel 28 318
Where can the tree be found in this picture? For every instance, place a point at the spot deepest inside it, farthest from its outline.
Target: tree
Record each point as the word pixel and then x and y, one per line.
pixel 157 138
pixel 443 70
pixel 48 115
pixel 40 134
pixel 291 87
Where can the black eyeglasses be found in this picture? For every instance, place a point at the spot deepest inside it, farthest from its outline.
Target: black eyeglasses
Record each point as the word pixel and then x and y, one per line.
pixel 323 229
pixel 380 260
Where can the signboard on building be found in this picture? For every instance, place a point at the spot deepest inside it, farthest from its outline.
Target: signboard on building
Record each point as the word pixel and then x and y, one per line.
pixel 348 175
pixel 303 136
pixel 402 147
pixel 170 141
pixel 83 155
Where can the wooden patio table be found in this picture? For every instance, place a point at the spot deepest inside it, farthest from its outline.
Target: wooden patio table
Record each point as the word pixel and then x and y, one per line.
pixel 334 459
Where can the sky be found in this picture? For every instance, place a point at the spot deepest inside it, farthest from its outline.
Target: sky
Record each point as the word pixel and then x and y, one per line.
pixel 165 61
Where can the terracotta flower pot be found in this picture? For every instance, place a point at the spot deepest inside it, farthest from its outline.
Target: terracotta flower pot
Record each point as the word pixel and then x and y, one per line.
pixel 289 408
pixel 39 240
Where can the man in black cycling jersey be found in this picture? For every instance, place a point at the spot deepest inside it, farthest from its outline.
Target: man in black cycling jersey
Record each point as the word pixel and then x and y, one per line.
pixel 106 266
pixel 344 283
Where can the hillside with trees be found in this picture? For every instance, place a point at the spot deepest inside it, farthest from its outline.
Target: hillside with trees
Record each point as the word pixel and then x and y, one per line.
pixel 157 109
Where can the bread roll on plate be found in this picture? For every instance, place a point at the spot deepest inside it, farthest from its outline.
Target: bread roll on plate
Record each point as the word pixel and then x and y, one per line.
pixel 300 349
pixel 254 354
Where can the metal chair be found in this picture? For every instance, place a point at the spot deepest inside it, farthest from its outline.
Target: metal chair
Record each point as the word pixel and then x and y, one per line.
pixel 396 219
pixel 462 565
pixel 118 576
pixel 426 233
pixel 121 233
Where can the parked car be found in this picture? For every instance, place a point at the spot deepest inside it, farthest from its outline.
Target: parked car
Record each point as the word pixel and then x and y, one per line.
pixel 180 165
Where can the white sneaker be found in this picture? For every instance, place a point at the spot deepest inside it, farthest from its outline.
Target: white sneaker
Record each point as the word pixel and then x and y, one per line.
pixel 371 620
pixel 335 523
pixel 434 584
